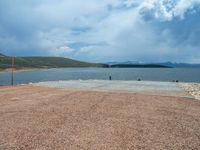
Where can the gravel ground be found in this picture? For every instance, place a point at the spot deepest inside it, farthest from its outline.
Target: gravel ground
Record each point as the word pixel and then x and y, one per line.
pixel 34 117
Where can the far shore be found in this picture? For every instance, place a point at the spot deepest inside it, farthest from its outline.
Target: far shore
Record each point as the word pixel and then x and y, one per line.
pixel 24 69
pixel 17 69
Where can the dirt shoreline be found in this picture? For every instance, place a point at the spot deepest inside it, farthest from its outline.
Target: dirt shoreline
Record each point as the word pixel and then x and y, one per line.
pixel 36 117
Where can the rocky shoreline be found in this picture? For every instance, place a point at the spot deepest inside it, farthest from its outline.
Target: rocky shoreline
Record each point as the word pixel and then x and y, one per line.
pixel 191 88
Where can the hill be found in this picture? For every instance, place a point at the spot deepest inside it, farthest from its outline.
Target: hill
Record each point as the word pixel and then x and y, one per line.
pixel 44 62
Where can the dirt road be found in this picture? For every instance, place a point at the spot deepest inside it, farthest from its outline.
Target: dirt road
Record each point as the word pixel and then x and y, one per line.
pixel 34 117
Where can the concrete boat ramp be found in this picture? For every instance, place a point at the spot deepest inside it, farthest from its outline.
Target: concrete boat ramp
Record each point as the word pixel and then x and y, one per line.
pixel 144 87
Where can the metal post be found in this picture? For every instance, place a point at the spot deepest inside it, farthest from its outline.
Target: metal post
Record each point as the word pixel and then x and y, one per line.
pixel 13 61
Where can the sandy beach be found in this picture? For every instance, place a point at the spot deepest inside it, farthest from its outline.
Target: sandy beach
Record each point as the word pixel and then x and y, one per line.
pixel 41 117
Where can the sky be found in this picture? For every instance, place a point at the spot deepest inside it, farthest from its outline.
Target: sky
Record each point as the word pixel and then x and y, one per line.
pixel 102 30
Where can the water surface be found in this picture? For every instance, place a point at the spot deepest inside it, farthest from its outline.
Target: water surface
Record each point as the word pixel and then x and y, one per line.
pixel 149 74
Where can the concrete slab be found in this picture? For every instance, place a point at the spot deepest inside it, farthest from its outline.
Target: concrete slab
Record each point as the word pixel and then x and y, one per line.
pixel 144 87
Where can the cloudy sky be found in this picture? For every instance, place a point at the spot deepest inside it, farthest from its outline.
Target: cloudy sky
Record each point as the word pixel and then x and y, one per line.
pixel 102 30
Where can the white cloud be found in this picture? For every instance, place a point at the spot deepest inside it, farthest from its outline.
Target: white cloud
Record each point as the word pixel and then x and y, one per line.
pixel 167 9
pixel 64 49
pixel 103 30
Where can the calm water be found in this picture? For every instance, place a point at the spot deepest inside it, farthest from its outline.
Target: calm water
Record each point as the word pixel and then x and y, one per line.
pixel 150 74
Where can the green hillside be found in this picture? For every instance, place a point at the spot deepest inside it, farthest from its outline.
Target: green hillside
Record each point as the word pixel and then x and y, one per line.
pixel 44 62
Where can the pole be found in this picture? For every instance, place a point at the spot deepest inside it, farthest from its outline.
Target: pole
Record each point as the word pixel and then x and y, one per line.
pixel 13 61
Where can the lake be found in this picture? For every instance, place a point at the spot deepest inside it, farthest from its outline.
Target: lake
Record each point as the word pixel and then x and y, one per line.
pixel 149 74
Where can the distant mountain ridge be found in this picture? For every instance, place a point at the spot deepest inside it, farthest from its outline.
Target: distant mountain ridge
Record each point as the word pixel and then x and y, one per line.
pixel 138 66
pixel 180 65
pixel 146 65
pixel 1 55
pixel 123 62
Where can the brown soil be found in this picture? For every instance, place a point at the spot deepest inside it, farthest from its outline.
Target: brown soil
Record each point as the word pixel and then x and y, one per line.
pixel 34 117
